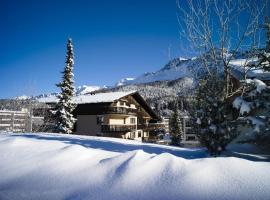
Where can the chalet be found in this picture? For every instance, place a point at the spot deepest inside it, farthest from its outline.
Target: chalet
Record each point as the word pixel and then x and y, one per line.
pixel 113 114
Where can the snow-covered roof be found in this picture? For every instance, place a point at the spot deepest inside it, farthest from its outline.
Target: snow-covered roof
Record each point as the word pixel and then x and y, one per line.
pixel 48 99
pixel 90 98
pixel 101 97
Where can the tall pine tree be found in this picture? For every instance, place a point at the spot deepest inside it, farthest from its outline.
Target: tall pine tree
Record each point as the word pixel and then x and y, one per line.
pixel 65 107
pixel 176 126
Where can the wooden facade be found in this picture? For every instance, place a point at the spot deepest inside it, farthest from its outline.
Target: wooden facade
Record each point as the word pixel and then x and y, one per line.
pixel 128 117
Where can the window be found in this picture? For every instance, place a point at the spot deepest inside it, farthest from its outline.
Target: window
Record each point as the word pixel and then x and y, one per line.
pixel 146 134
pixel 139 134
pixel 100 119
pixel 133 120
pixel 122 103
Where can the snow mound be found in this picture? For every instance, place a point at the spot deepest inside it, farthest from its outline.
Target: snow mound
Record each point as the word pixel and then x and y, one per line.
pixel 52 166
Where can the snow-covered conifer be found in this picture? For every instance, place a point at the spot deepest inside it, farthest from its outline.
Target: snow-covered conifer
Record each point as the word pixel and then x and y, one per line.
pixel 65 106
pixel 267 28
pixel 214 122
pixel 264 56
pixel 254 103
pixel 176 126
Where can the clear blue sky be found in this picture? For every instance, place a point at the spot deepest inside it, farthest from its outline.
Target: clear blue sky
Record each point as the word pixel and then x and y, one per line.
pixel 112 40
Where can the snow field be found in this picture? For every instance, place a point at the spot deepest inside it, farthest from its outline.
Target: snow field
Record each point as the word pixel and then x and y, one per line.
pixel 51 166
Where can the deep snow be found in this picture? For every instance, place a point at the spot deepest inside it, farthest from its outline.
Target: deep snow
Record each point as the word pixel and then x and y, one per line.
pixel 53 166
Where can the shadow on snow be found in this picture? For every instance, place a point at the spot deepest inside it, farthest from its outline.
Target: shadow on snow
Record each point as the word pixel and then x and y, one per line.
pixel 114 146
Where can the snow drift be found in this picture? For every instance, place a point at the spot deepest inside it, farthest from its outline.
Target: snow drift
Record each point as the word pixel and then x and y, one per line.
pixel 51 166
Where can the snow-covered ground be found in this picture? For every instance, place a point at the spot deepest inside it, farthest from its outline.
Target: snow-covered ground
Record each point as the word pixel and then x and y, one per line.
pixel 53 166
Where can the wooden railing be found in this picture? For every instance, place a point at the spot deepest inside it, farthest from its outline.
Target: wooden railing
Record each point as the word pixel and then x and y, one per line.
pixel 151 126
pixel 119 110
pixel 117 128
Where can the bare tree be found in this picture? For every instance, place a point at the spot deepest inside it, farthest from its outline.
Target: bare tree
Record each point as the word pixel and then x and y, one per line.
pixel 216 31
pixel 219 32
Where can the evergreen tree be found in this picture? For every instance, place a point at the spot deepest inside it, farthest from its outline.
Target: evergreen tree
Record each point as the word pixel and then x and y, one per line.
pixel 254 102
pixel 264 56
pixel 215 125
pixel 157 108
pixel 267 29
pixel 254 109
pixel 176 126
pixel 65 107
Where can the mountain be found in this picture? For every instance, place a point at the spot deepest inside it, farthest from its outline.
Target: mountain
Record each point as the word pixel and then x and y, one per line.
pixel 174 69
pixel 176 80
pixel 124 81
pixel 86 89
pixel 180 67
pixel 23 97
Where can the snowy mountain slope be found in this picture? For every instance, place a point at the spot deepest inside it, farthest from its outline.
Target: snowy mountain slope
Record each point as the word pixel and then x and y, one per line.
pixel 179 77
pixel 54 166
pixel 86 89
pixel 185 67
pixel 175 69
pixel 160 88
pixel 23 97
pixel 124 81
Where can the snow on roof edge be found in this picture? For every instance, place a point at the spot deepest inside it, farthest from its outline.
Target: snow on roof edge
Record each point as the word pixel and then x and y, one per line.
pixel 105 97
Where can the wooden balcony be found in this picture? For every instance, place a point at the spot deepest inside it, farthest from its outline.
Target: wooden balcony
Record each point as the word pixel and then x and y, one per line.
pixel 117 128
pixel 151 126
pixel 119 110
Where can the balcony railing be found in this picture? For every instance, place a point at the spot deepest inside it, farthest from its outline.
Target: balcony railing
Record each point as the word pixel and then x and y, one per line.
pixel 151 126
pixel 117 128
pixel 119 110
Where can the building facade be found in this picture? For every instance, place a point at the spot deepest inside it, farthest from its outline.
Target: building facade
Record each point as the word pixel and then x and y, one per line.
pixel 189 138
pixel 111 114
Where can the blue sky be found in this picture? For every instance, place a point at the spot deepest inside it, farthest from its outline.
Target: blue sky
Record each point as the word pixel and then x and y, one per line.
pixel 112 40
